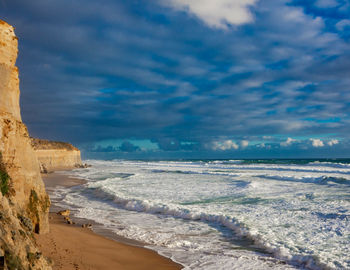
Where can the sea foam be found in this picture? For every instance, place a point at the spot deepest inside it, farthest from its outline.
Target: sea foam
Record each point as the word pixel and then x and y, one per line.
pixel 286 216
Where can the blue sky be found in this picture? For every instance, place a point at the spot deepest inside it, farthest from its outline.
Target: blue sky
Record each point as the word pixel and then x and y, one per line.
pixel 186 78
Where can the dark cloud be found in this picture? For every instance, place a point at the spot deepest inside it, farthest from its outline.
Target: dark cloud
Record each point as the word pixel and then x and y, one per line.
pixel 128 147
pixel 93 71
pixel 100 149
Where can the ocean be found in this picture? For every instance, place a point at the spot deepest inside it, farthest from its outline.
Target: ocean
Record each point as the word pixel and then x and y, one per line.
pixel 223 214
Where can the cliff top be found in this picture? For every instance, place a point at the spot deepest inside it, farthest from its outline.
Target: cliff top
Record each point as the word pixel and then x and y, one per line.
pixel 3 22
pixel 40 144
pixel 8 44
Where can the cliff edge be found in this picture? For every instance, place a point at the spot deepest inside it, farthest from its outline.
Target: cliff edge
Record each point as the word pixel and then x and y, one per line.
pixel 24 204
pixel 55 156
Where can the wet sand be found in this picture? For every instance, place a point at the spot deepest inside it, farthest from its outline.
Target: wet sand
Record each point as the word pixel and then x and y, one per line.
pixel 74 247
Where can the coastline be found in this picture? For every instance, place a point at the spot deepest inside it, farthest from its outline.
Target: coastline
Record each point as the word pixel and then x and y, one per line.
pixel 74 247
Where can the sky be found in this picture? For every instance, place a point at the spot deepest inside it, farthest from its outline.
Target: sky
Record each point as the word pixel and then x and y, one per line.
pixel 186 78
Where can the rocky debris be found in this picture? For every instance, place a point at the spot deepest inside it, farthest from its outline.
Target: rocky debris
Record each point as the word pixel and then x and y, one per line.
pixel 43 169
pixel 87 225
pixel 26 222
pixel 83 166
pixel 69 221
pixel 65 212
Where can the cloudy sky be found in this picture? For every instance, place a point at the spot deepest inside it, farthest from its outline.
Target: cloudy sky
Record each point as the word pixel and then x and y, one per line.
pixel 186 78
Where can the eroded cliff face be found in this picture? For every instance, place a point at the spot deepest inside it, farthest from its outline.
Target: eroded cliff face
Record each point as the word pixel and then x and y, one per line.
pixel 24 204
pixel 9 83
pixel 55 156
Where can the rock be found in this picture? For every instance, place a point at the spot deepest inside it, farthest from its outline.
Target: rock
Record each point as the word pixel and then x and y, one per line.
pixel 87 225
pixel 55 156
pixel 24 204
pixel 64 212
pixel 83 166
pixel 43 169
pixel 26 222
pixel 17 155
pixel 70 222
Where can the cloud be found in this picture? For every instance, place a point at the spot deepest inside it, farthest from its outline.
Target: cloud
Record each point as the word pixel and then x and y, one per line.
pixel 341 25
pixel 218 13
pixel 244 143
pixel 134 69
pixel 224 145
pixel 326 3
pixel 317 143
pixel 333 142
pixel 288 142
pixel 128 147
pixel 107 149
pixel 168 144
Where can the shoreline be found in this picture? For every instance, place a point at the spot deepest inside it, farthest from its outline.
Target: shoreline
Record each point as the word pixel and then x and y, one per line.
pixel 74 247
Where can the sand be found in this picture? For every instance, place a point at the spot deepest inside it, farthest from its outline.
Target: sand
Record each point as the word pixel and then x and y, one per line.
pixel 74 247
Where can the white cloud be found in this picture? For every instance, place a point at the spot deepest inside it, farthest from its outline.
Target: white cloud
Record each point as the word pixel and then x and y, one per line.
pixel 333 142
pixel 224 145
pixel 326 3
pixel 288 142
pixel 244 143
pixel 217 13
pixel 317 143
pixel 342 24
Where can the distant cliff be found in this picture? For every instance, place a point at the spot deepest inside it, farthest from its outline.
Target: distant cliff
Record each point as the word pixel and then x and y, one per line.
pixel 54 156
pixel 24 204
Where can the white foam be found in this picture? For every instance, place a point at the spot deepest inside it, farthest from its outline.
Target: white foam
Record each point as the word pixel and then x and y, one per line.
pixel 295 212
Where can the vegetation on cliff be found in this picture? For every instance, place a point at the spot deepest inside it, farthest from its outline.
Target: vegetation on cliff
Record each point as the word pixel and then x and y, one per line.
pixel 4 179
pixel 4 182
pixel 41 144
pixel 35 207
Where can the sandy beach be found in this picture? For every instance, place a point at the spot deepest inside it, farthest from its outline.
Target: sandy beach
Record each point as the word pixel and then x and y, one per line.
pixel 74 247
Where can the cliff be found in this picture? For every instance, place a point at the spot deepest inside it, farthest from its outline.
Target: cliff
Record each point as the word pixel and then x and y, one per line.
pixel 24 204
pixel 54 156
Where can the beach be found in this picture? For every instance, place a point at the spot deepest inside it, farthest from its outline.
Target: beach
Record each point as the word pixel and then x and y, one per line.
pixel 221 214
pixel 74 247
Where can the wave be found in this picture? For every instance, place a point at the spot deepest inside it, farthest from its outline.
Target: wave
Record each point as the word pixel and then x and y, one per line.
pixel 239 228
pixel 330 164
pixel 225 169
pixel 322 180
pixel 231 161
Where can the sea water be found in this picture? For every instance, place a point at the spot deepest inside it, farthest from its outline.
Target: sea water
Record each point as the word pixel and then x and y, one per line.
pixel 223 214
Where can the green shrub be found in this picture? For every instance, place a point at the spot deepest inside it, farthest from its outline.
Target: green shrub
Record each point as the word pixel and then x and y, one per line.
pixel 4 182
pixel 13 262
